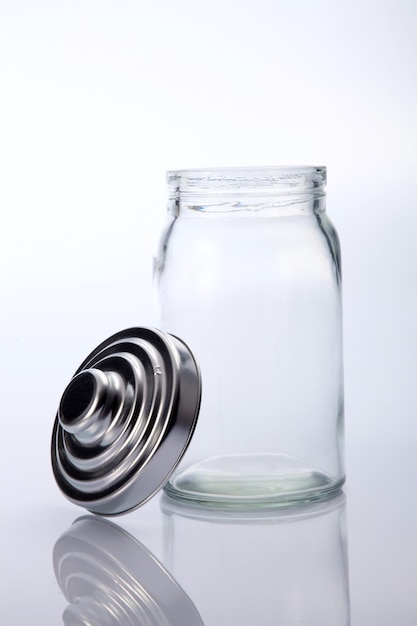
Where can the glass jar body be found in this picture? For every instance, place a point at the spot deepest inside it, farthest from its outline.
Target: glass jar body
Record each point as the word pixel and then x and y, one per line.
pixel 248 274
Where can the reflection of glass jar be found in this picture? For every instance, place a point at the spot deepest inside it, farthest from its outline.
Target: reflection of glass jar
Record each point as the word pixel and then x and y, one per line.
pixel 287 566
pixel 248 273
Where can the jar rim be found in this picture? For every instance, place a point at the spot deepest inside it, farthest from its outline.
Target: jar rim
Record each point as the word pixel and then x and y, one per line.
pixel 264 179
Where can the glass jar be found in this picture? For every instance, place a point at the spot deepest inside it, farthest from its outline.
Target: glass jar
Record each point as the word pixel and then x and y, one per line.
pixel 248 274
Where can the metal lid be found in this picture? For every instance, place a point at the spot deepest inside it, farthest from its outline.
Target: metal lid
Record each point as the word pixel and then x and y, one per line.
pixel 125 420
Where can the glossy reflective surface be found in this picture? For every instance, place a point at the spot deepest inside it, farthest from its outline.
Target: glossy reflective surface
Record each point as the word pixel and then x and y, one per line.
pixel 290 565
pixel 349 561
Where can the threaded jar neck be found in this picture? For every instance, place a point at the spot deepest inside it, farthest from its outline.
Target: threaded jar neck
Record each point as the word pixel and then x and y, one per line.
pixel 249 190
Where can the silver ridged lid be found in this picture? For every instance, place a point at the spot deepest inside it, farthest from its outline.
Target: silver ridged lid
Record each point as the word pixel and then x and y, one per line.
pixel 125 420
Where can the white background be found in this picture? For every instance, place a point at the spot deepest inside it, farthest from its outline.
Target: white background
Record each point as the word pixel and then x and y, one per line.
pixel 99 98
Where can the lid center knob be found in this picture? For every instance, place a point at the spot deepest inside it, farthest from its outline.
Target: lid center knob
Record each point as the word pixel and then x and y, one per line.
pixel 85 410
pixel 77 398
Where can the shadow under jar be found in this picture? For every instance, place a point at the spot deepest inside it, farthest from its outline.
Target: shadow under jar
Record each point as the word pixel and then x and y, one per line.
pixel 248 272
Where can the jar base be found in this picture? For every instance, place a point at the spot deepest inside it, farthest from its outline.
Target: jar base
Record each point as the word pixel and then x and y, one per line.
pixel 251 480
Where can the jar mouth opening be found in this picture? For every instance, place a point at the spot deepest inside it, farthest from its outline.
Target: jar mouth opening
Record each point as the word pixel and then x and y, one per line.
pixel 269 179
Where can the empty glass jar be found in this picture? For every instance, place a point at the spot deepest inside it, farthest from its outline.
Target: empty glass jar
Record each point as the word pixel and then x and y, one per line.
pixel 248 274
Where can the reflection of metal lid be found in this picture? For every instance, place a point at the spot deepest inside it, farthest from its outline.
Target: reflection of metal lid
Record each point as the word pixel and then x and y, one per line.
pixel 125 420
pixel 110 578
